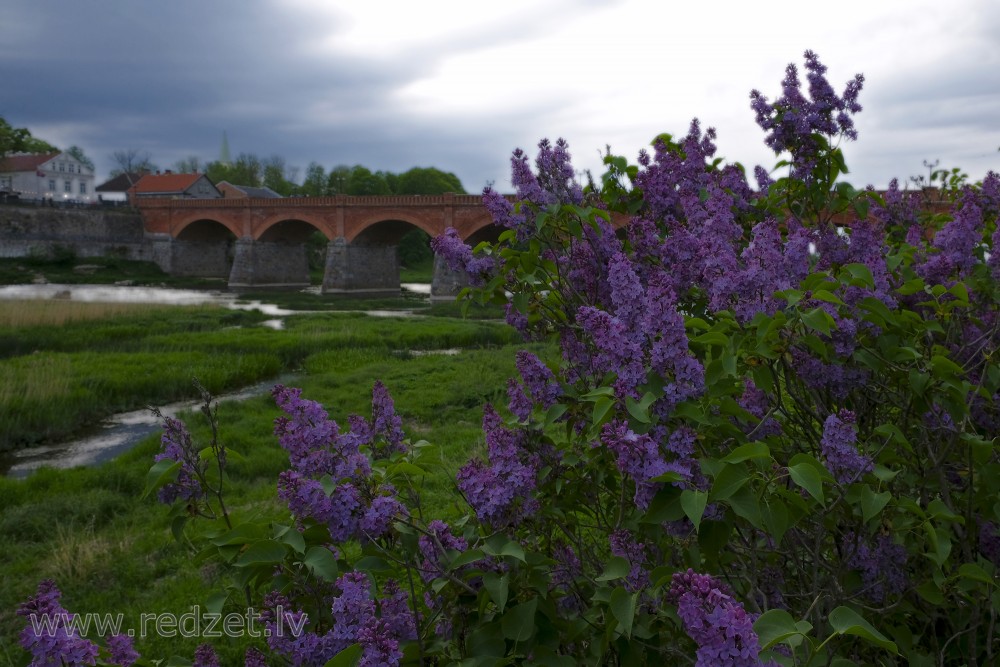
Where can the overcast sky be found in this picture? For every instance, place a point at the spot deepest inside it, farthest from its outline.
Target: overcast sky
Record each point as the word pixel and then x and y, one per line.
pixel 393 84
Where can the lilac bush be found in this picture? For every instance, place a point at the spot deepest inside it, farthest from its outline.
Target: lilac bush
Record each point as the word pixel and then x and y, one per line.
pixel 763 431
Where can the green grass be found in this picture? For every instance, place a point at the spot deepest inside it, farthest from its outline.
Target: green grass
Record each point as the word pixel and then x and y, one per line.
pixel 58 379
pixel 111 552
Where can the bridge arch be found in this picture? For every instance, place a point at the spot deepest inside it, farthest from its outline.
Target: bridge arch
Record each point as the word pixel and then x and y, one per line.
pixel 194 226
pixel 388 228
pixel 284 225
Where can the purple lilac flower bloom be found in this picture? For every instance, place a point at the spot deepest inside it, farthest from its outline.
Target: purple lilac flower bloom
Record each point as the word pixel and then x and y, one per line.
pixel 177 446
pixel 541 384
pixel 639 457
pixel 755 401
pixel 122 651
pixel 395 610
pixel 353 608
pixel 500 492
pixel 459 256
pixel 379 647
pixel 618 349
pixel 792 119
pixel 623 544
pixel 518 401
pixel 839 448
pixel 287 637
pixel 954 247
pixel 433 547
pixel 385 421
pixel 882 564
pixel 204 656
pixel 254 658
pixel 717 622
pixel 49 635
pixel 378 517
pixel 989 541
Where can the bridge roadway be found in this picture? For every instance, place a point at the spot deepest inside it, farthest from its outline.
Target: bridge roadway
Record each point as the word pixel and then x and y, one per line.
pixel 263 243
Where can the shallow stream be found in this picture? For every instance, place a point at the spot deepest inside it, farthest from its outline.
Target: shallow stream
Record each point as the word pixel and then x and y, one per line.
pixel 121 432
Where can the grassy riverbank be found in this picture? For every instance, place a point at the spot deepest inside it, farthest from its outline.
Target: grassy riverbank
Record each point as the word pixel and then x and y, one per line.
pixel 60 378
pixel 111 552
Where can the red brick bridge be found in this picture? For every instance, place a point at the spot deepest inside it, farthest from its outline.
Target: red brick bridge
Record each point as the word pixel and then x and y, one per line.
pixel 261 243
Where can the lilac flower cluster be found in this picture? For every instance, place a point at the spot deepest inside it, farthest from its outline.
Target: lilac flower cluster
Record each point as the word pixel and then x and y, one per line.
pixel 989 541
pixel 355 507
pixel 500 492
pixel 56 642
pixel 881 562
pixel 625 545
pixel 792 120
pixel 254 658
pixel 176 445
pixel 458 255
pixel 540 386
pixel 205 656
pixel 640 457
pixel 356 618
pixel 717 622
pixel 953 252
pixel 839 448
pixel 434 548
pixel 122 650
pixel 755 401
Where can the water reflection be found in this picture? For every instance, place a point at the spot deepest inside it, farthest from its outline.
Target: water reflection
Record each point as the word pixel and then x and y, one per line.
pixel 116 436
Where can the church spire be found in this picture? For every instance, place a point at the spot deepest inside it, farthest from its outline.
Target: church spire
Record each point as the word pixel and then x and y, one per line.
pixel 224 153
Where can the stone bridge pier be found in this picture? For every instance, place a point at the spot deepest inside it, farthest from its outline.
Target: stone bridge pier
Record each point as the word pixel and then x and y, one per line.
pixel 359 269
pixel 268 265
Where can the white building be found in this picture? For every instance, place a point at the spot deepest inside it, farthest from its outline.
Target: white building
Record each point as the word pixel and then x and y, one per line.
pixel 55 176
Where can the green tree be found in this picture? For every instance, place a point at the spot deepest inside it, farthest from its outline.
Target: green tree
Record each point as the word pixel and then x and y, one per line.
pixel 20 140
pixel 363 182
pixel 336 183
pixel 428 181
pixel 79 155
pixel 315 183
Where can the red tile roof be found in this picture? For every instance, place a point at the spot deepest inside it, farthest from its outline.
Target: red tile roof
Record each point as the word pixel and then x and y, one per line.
pixel 157 183
pixel 15 163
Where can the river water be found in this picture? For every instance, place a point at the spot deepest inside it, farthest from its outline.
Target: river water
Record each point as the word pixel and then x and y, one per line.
pixel 121 432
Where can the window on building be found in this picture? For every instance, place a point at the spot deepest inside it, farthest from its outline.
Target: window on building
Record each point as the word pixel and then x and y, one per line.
pixel 62 167
pixel 6 183
pixel 68 186
pixel 52 185
pixel 83 188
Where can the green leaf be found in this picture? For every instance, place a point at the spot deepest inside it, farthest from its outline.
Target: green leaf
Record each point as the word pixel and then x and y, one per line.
pixel 623 607
pixel 751 450
pixel 349 657
pixel 371 564
pixel 846 621
pixel 818 319
pixel 693 503
pixel 616 568
pixel 216 601
pixel 872 503
pixel 601 408
pixel 466 557
pixel 518 623
pixel 322 563
pixel 975 573
pixel 498 588
pixel 262 553
pixel 728 481
pixel 773 626
pixel 809 479
pixel 162 472
pixel 861 274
